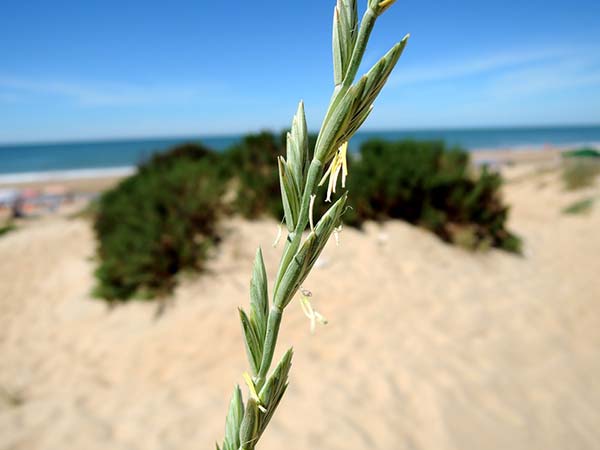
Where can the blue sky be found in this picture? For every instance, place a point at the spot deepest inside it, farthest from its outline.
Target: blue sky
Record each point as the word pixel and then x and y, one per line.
pixel 79 70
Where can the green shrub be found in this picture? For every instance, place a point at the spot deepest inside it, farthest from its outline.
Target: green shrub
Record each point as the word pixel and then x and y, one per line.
pixel 164 219
pixel 7 227
pixel 428 185
pixel 582 153
pixel 158 222
pixel 580 206
pixel 580 172
pixel 252 166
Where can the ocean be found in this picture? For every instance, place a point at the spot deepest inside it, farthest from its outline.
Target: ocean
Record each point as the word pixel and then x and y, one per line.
pixel 30 162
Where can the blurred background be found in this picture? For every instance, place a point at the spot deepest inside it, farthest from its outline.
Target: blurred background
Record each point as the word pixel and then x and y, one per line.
pixel 138 174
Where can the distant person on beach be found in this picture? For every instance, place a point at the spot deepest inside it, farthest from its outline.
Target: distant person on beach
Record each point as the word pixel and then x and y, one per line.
pixel 17 208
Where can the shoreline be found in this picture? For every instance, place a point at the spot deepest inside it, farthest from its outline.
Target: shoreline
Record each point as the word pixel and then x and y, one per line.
pixel 80 179
pixel 65 175
pixel 94 178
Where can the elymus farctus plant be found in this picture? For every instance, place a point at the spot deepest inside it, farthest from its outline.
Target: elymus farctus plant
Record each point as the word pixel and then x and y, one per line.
pixel 301 173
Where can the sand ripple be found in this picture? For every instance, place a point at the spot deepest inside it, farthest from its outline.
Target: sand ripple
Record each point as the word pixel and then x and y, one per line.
pixel 428 347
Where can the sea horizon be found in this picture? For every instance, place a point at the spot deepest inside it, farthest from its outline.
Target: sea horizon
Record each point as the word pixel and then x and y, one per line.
pixel 28 161
pixel 222 135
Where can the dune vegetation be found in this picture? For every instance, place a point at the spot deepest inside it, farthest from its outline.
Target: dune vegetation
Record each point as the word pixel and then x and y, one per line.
pixel 581 168
pixel 165 218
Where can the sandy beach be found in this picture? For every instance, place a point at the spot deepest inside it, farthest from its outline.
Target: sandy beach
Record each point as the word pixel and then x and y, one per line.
pixel 428 346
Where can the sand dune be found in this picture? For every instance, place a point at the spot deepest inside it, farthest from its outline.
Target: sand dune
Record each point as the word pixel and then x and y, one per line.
pixel 428 346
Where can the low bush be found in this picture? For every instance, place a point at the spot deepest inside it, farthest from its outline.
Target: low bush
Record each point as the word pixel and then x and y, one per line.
pixel 164 219
pixel 251 166
pixel 429 185
pixel 7 227
pixel 580 172
pixel 158 222
pixel 580 206
pixel 584 152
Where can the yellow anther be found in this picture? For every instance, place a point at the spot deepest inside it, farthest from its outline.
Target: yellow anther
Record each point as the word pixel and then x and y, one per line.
pixel 309 312
pixel 338 164
pixel 252 390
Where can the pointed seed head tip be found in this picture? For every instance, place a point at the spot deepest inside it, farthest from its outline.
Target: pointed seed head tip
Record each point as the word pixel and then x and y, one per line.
pixel 386 3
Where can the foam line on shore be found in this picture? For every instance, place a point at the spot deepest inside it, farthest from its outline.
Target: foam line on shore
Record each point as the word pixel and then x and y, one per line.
pixel 63 175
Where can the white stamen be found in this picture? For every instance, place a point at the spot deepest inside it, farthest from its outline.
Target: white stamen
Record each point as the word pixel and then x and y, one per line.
pixel 334 177
pixel 338 165
pixel 306 308
pixel 252 390
pixel 325 176
pixel 309 312
pixel 344 150
pixel 329 186
pixel 322 320
pixel 278 237
pixel 336 234
pixel 313 323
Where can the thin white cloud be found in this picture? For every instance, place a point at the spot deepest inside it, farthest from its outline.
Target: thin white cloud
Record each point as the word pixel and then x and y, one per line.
pixel 543 86
pixel 477 65
pixel 509 75
pixel 104 94
pixel 553 76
